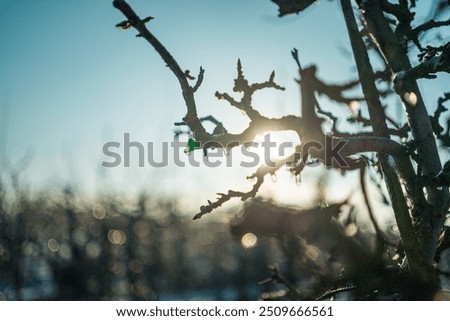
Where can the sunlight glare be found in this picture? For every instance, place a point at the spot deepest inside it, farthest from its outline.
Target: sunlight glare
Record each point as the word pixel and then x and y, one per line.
pixel 282 144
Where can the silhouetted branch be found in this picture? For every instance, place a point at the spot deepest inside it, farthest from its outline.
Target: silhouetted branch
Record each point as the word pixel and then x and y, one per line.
pixel 188 92
pixel 226 197
pixel 280 279
pixel 438 130
pixel 432 63
pixel 308 127
pixel 287 7
pixel 199 79
pixel 430 24
pixel 242 85
pixel 335 92
pixel 380 238
pixel 350 146
pixel 210 118
pixel 259 175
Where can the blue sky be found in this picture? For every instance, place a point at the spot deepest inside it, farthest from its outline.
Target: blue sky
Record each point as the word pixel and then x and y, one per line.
pixel 71 81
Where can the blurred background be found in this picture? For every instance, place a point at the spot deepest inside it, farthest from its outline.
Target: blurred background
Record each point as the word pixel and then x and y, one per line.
pixel 72 229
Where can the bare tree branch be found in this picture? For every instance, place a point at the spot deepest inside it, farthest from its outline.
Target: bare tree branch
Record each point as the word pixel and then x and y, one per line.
pixel 430 24
pixel 418 119
pixel 242 85
pixel 413 248
pixel 188 93
pixel 199 80
pixel 394 157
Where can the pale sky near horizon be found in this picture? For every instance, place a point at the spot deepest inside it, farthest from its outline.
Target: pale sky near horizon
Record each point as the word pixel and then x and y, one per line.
pixel 71 81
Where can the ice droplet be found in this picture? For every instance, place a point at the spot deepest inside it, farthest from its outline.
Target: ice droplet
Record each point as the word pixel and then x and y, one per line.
pixel 298 180
pixel 273 177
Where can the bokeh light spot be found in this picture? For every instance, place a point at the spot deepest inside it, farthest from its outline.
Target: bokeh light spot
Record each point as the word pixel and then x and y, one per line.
pixel 99 212
pixel 117 237
pixel 249 240
pixel 53 245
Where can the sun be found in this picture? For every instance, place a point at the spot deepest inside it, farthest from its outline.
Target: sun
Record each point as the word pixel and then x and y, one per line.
pixel 274 146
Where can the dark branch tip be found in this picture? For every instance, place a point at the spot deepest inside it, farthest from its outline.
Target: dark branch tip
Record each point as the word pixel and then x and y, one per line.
pixel 147 19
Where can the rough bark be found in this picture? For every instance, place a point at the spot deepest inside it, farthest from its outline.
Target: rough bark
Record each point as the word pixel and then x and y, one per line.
pixel 429 224
pixel 413 248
